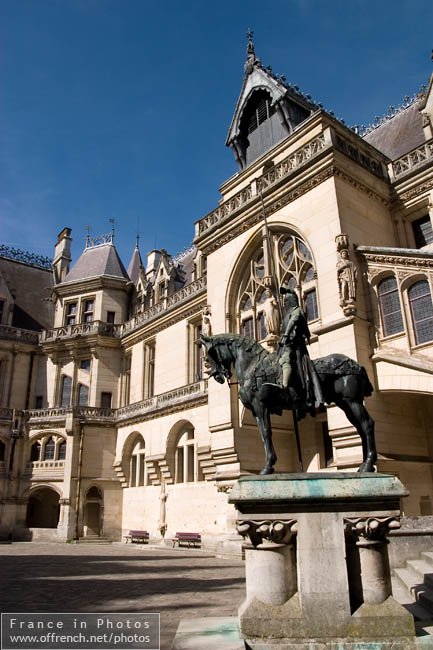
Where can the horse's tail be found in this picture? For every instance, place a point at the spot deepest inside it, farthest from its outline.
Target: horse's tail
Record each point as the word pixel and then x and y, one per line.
pixel 367 388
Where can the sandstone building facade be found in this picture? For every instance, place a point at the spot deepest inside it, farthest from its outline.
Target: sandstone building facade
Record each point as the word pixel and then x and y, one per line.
pixel 107 420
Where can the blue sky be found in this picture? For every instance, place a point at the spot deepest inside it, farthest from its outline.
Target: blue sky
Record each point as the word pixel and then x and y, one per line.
pixel 120 108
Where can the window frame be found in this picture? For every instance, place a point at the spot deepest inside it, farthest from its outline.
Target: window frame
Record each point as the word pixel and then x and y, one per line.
pixel 410 302
pixel 402 331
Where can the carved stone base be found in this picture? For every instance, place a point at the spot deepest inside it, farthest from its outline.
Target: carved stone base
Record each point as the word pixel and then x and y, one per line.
pixel 319 564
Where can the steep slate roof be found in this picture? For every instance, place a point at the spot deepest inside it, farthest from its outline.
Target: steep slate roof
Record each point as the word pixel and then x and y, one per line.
pixel 134 265
pixel 399 134
pixel 31 286
pixel 184 265
pixel 94 261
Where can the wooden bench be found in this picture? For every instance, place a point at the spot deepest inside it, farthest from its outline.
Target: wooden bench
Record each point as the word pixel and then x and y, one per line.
pixel 137 536
pixel 187 538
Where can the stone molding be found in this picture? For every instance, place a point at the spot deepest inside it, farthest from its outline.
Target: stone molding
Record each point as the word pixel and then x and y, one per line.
pixel 416 191
pixel 277 531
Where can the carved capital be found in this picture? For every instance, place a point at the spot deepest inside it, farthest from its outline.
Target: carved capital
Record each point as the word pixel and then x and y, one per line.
pixel 65 502
pixel 370 529
pixel 276 532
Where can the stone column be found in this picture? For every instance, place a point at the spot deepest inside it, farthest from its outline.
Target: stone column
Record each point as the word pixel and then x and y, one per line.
pixel 271 576
pixel 369 536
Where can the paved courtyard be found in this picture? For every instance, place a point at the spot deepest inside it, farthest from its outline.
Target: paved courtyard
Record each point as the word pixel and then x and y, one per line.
pixel 39 577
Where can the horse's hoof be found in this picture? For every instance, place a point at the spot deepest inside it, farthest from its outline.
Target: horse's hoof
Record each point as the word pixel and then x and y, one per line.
pixel 266 470
pixel 367 468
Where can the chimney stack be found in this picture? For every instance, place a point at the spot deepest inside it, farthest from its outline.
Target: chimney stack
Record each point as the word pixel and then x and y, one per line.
pixel 62 255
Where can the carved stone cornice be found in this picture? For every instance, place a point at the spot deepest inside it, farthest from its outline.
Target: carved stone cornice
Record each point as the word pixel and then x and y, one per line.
pixel 406 257
pixel 278 531
pixel 416 191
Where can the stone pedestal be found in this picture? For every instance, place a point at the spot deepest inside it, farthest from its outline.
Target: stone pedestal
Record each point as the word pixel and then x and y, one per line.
pixel 316 562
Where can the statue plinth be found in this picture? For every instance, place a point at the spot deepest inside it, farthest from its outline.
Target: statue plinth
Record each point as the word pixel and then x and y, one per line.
pixel 317 563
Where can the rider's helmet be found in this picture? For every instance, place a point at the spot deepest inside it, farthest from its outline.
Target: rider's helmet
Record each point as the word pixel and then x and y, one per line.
pixel 290 298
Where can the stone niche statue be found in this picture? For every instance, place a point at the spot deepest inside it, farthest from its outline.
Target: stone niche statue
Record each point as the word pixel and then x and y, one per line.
pixel 272 318
pixel 347 275
pixel 206 322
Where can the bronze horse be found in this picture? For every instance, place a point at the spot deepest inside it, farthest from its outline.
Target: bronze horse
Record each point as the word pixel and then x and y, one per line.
pixel 343 381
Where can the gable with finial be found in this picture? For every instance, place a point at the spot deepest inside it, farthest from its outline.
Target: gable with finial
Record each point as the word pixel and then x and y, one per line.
pixel 267 111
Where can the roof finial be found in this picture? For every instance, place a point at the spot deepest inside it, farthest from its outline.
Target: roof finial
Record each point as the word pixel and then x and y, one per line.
pixel 250 46
pixel 252 60
pixel 137 237
pixel 112 230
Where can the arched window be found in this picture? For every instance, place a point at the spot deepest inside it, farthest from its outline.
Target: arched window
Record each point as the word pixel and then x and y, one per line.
pixel 49 449
pixel 61 453
pixel 288 258
pixel 35 452
pixel 2 450
pixel 422 311
pixel 389 304
pixel 83 395
pixel 134 461
pixel 137 465
pixel 186 458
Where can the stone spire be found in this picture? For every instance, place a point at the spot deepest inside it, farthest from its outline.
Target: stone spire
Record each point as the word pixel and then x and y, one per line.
pixel 252 60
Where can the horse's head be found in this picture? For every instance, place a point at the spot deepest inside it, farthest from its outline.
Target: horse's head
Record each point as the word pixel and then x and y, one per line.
pixel 217 359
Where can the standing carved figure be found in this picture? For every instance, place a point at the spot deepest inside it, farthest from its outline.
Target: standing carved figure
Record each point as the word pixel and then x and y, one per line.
pixel 293 355
pixel 206 322
pixel 347 276
pixel 272 314
pixel 162 523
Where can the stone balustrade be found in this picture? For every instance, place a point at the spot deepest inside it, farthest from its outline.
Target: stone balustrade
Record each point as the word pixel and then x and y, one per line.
pixel 96 327
pixel 19 335
pixel 282 169
pixel 413 159
pixel 166 304
pixel 173 399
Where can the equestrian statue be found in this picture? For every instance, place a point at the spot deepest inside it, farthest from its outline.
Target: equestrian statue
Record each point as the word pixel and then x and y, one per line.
pixel 270 382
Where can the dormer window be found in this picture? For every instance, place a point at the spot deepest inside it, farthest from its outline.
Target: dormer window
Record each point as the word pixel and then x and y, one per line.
pixel 257 111
pixel 262 111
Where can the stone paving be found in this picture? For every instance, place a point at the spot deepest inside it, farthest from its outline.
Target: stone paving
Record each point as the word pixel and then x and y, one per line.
pixel 37 577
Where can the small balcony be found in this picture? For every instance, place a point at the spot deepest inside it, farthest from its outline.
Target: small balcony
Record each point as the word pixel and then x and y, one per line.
pixel 46 469
pixel 95 328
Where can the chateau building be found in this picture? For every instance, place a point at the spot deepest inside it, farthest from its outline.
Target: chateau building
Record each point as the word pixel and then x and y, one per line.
pixel 107 420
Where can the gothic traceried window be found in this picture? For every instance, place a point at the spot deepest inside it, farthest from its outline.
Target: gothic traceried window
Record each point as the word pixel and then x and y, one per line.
pixel 422 311
pixel 291 261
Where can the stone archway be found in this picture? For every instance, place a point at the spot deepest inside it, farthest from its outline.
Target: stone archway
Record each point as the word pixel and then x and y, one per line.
pixel 93 509
pixel 43 508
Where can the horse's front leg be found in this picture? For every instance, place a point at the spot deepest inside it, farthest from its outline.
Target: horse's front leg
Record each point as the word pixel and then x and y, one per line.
pixel 264 423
